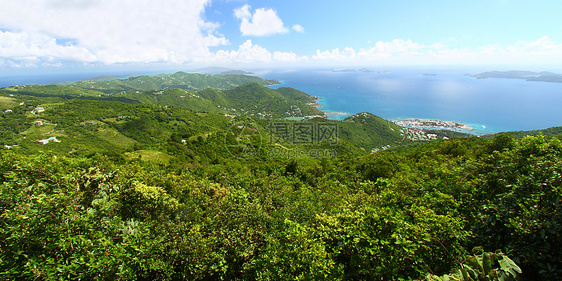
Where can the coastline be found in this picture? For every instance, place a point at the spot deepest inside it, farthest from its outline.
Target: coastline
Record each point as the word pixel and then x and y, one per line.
pixel 329 114
pixel 316 103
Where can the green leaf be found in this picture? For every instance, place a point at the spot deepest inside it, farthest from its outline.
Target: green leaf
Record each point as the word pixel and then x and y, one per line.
pixel 510 266
pixel 487 264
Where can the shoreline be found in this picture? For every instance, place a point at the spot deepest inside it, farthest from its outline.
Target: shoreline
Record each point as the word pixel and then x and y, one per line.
pixel 329 114
pixel 414 123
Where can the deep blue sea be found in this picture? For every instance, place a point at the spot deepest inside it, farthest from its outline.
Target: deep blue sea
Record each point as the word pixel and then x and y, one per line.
pixel 489 105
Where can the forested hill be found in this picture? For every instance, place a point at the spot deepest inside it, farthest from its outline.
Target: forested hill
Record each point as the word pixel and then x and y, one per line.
pixel 247 99
pixel 181 80
pixel 369 131
pixel 84 126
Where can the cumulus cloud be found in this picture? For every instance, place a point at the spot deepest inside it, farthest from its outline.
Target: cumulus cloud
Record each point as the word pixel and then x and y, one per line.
pixel 23 49
pixel 262 23
pixel 298 28
pixel 51 32
pixel 542 51
pixel 400 52
pixel 251 53
pixel 247 52
pixel 288 57
pixel 106 31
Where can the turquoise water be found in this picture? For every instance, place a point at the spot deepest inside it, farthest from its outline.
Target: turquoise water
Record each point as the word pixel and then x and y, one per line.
pixel 489 105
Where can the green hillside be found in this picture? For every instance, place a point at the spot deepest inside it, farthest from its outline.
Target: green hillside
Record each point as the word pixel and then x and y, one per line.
pixel 369 132
pixel 254 99
pixel 408 215
pixel 54 90
pixel 181 80
pixel 554 131
pixel 84 126
pixel 168 184
pixel 248 99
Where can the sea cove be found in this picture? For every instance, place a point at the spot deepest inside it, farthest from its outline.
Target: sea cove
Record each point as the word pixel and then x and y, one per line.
pixel 487 105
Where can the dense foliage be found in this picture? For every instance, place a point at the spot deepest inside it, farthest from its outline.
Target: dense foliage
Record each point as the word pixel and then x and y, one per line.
pixel 383 216
pixel 132 188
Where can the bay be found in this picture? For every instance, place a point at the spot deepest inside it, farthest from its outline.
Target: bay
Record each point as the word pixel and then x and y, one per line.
pixel 488 105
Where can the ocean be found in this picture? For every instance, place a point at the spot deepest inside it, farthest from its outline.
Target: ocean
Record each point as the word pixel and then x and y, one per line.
pixel 488 105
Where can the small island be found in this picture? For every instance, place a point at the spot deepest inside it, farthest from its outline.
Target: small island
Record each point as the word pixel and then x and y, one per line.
pixel 543 76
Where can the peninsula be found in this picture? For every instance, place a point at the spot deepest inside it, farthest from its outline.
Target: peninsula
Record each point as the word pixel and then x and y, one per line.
pixel 432 124
pixel 543 76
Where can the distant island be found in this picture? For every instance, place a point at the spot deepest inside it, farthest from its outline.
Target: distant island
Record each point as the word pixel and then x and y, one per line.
pixel 356 70
pixel 544 76
pixel 236 72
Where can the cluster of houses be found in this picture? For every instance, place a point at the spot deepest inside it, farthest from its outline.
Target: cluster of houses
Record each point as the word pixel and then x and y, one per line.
pixel 191 95
pixel 375 150
pixel 417 134
pixel 34 110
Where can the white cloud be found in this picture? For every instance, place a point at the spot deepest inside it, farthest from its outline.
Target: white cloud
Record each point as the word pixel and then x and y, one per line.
pixel 298 28
pixel 336 55
pixel 542 51
pixel 247 52
pixel 288 57
pixel 262 23
pixel 23 49
pixel 400 52
pixel 51 32
pixel 106 31
pixel 252 53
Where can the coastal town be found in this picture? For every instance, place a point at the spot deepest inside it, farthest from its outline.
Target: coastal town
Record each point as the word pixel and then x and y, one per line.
pixel 432 124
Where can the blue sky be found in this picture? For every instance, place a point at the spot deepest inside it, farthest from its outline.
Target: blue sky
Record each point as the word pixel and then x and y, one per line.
pixel 340 24
pixel 67 34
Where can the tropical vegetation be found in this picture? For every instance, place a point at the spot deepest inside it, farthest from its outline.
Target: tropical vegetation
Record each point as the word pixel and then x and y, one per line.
pixel 153 191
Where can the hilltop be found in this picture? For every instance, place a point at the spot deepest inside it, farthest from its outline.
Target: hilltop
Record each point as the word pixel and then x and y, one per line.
pixel 181 80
